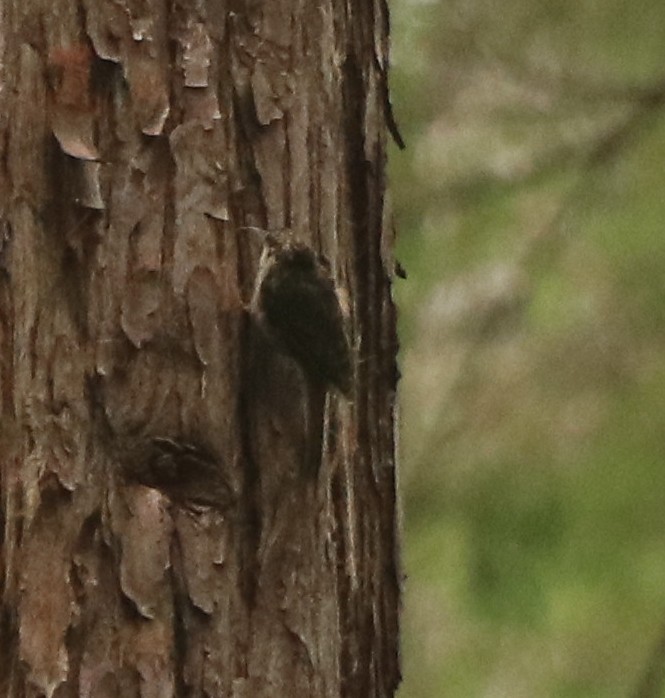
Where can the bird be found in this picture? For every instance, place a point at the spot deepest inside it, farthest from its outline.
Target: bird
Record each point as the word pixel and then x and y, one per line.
pixel 296 304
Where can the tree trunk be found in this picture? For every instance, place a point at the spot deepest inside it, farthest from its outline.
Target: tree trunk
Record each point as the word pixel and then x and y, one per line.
pixel 158 537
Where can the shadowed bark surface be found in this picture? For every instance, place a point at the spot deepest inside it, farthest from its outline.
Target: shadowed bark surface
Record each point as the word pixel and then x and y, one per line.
pixel 157 538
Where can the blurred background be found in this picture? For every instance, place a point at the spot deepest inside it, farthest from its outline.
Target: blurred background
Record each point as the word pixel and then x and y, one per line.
pixel 530 207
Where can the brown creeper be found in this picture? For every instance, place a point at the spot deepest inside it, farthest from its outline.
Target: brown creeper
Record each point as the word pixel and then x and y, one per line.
pixel 296 304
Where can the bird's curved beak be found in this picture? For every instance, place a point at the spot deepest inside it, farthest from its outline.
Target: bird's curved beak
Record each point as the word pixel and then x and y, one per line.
pixel 266 236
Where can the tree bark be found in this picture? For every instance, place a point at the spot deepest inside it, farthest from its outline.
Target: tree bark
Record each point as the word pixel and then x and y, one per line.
pixel 158 538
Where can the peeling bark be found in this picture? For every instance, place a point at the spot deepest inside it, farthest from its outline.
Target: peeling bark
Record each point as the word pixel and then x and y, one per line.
pixel 157 538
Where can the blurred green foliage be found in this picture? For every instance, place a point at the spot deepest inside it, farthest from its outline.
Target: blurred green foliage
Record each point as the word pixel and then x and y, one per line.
pixel 530 205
